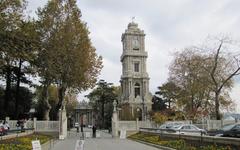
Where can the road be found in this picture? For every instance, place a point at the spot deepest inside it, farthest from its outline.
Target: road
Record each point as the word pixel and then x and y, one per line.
pixel 105 142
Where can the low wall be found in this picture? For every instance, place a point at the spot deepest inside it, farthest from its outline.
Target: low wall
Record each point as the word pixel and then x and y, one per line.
pixel 134 125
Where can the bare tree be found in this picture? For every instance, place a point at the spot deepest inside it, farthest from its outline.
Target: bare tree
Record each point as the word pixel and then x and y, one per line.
pixel 187 73
pixel 205 75
pixel 222 67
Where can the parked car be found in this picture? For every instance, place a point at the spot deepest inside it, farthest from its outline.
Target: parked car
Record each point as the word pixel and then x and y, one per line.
pixel 166 127
pixel 187 129
pixel 169 125
pixel 232 130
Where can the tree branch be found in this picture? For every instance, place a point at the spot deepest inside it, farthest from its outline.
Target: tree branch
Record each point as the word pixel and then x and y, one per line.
pixel 236 72
pixel 216 64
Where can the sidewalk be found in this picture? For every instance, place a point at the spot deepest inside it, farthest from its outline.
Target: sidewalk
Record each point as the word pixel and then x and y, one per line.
pixel 106 142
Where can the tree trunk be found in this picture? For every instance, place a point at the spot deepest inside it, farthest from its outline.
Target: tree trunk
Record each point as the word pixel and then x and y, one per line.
pixel 46 102
pixel 217 105
pixel 7 90
pixel 192 107
pixel 46 113
pixel 18 87
pixel 61 95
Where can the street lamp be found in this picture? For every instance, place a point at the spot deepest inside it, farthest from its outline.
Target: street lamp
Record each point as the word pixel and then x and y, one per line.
pixel 143 110
pixel 138 113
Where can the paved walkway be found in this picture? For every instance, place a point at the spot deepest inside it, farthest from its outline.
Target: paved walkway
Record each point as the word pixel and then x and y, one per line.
pixel 105 142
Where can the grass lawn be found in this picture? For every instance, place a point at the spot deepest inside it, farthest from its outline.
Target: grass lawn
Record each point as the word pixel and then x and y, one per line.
pixel 23 143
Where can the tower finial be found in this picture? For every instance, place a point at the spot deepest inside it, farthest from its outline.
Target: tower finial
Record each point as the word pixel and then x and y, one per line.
pixel 133 18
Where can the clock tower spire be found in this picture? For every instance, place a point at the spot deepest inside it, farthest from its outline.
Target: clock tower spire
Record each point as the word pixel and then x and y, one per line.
pixel 135 79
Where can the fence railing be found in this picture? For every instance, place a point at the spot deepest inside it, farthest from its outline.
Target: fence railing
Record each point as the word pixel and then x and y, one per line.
pixel 218 124
pixel 48 126
pixel 135 125
pixel 13 124
pixel 202 126
pixel 38 125
pixel 209 124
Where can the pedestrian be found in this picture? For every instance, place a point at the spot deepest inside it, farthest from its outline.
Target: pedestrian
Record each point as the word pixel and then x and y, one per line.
pixel 18 124
pixel 1 128
pixel 6 127
pixel 82 131
pixel 21 124
pixel 94 128
pixel 81 127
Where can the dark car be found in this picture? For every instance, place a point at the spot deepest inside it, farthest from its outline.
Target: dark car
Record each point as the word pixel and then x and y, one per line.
pixel 232 130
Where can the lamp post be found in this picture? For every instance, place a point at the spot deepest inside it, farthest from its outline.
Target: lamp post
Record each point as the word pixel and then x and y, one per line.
pixel 138 113
pixel 143 110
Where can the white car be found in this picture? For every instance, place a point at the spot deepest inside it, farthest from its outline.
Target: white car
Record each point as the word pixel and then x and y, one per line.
pixel 76 124
pixel 187 129
pixel 169 125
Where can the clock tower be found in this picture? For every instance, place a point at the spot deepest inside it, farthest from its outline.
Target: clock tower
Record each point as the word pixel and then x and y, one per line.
pixel 135 80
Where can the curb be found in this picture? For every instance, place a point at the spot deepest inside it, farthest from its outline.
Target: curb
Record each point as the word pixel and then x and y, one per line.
pixel 154 145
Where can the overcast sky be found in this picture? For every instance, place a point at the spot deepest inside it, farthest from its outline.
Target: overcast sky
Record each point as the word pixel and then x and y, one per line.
pixel 170 26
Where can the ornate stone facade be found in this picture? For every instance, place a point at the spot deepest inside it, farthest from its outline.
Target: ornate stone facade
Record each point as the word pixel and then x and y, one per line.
pixel 135 79
pixel 84 114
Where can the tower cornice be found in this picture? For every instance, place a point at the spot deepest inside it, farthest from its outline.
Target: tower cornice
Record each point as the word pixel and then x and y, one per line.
pixel 133 54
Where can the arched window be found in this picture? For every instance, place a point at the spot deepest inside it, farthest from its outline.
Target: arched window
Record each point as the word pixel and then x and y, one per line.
pixel 136 89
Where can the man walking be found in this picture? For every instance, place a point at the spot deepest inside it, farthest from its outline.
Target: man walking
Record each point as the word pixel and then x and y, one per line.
pixel 94 131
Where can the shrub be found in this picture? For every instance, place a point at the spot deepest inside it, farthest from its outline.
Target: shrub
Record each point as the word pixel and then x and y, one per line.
pixel 176 144
pixel 159 118
pixel 23 143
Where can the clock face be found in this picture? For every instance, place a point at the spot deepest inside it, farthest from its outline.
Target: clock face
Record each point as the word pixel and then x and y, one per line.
pixel 135 43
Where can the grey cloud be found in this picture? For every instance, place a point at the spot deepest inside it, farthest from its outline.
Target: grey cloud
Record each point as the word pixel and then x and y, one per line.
pixel 169 26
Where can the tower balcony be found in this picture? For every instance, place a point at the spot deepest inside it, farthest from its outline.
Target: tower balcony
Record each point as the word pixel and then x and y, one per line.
pixel 134 54
pixel 135 76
